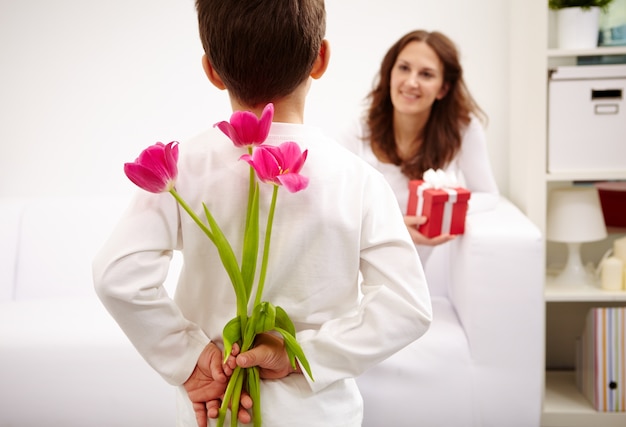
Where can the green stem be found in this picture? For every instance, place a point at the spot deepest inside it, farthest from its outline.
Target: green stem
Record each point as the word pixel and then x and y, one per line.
pixel 251 235
pixel 251 188
pixel 241 300
pixel 235 400
pixel 230 389
pixel 192 214
pixel 266 247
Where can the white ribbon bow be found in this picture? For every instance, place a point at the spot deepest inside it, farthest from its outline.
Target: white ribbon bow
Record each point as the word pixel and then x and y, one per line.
pixel 439 179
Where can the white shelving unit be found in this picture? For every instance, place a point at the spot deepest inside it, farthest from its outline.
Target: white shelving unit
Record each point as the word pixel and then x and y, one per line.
pixel 558 293
pixel 531 56
pixel 617 50
pixel 565 406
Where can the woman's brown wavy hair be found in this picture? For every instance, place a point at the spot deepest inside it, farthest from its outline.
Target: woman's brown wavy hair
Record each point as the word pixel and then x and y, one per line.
pixel 448 117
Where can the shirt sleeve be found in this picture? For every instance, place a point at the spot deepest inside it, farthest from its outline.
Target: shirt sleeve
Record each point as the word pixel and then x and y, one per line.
pixel 351 137
pixel 395 308
pixel 473 163
pixel 129 272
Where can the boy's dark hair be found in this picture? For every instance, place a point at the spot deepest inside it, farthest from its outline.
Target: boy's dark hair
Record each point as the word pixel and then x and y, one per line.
pixel 261 49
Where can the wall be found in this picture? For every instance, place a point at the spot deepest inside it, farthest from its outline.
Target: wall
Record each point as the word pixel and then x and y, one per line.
pixel 85 85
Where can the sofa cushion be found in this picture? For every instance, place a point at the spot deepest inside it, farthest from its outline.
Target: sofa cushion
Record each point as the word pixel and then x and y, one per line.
pixel 56 351
pixel 416 386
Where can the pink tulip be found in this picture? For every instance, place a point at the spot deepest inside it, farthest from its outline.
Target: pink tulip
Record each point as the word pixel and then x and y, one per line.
pixel 280 165
pixel 155 170
pixel 245 129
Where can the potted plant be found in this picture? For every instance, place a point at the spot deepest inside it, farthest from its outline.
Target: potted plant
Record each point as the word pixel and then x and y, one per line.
pixel 578 22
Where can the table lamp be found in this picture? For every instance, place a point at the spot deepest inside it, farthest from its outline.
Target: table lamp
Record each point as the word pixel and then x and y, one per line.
pixel 575 217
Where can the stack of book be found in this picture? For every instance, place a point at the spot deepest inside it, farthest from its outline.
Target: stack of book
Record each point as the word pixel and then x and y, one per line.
pixel 601 359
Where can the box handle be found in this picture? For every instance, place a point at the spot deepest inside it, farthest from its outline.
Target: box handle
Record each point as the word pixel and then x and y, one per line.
pixel 606 94
pixel 606 109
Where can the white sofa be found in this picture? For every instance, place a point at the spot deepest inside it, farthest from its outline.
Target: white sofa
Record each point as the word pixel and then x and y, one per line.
pixel 64 361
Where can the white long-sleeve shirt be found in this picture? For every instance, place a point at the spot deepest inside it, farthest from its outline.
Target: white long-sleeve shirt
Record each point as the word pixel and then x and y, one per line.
pixel 470 165
pixel 345 223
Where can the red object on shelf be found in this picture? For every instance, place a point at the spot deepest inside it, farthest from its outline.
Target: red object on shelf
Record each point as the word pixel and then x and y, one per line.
pixel 613 202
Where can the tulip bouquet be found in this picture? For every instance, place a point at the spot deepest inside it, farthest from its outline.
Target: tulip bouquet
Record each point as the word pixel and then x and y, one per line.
pixel 156 170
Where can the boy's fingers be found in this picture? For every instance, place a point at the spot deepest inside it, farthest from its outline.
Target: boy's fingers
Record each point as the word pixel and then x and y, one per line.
pixel 201 413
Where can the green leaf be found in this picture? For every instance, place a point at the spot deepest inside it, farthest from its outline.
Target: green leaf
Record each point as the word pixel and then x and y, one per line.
pixel 267 318
pixel 263 319
pixel 294 348
pixel 251 241
pixel 249 334
pixel 229 261
pixel 283 321
pixel 231 334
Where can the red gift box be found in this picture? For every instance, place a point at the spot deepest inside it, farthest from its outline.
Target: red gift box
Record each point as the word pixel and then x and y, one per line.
pixel 445 208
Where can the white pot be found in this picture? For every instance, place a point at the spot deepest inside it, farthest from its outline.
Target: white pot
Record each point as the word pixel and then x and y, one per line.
pixel 578 28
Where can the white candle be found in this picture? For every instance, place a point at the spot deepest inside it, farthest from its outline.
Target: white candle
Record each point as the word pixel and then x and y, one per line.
pixel 611 275
pixel 619 251
pixel 619 248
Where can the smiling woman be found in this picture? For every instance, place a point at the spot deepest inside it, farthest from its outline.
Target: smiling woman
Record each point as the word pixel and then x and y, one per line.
pixel 416 83
pixel 422 116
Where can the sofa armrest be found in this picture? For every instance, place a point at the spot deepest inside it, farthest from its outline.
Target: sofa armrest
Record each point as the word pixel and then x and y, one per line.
pixel 10 219
pixel 496 288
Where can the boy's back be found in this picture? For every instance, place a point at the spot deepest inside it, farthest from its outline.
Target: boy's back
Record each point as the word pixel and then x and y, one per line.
pixel 346 223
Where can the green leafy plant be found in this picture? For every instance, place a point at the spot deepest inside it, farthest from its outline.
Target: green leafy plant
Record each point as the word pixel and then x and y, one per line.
pixel 585 4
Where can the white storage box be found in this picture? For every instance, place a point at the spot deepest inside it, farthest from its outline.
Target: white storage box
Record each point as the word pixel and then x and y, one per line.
pixel 587 119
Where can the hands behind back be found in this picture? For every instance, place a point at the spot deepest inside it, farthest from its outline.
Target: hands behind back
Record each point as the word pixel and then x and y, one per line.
pixel 207 383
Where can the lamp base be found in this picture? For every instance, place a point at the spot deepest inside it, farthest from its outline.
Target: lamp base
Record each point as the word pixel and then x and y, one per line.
pixel 574 274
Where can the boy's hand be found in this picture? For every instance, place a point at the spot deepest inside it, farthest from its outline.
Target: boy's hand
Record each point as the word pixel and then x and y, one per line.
pixel 206 386
pixel 270 356
pixel 413 222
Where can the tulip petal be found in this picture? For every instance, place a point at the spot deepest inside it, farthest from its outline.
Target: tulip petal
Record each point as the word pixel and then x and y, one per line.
pixel 265 122
pixel 245 129
pixel 230 132
pixel 246 124
pixel 144 178
pixel 155 170
pixel 265 163
pixel 293 182
pixel 280 165
pixel 293 158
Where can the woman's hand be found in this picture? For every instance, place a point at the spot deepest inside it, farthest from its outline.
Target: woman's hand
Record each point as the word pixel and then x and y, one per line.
pixel 413 222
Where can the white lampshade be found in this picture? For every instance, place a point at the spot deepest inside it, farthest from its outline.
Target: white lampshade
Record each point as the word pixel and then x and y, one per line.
pixel 574 217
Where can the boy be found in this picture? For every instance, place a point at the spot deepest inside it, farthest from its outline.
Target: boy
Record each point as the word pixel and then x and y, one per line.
pixel 345 223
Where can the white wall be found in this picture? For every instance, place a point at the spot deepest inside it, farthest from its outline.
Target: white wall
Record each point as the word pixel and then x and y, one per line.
pixel 85 85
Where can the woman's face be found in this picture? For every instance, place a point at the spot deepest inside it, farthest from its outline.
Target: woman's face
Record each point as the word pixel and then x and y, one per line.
pixel 416 79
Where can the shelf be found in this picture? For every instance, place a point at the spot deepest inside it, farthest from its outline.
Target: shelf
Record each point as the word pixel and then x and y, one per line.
pixel 562 293
pixel 600 175
pixel 564 405
pixel 607 50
